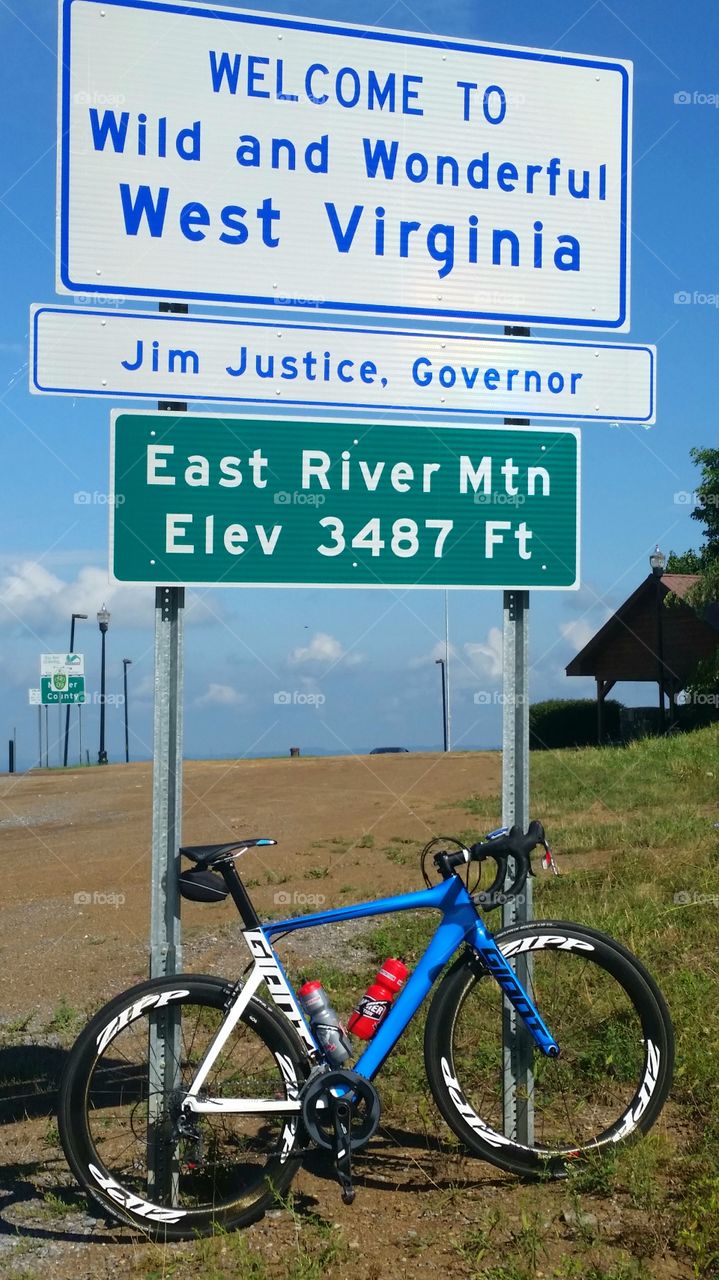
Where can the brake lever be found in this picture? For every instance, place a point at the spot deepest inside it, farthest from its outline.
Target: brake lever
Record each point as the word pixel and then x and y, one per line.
pixel 497 895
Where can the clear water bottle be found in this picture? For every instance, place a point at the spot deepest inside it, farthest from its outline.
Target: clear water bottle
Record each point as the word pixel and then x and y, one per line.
pixel 325 1023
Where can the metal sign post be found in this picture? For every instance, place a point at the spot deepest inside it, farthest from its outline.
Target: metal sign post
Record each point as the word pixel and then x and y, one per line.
pixel 517 1046
pixel 165 926
pixel 165 940
pixel 165 937
pixel 517 1043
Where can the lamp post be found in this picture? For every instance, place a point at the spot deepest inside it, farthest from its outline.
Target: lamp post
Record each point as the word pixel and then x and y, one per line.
pixel 440 662
pixel 126 662
pixel 103 622
pixel 73 618
pixel 658 561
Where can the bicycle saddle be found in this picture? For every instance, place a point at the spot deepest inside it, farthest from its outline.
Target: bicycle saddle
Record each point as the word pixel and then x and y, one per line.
pixel 206 855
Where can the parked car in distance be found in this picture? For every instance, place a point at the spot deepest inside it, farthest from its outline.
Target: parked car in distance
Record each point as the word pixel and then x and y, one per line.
pixel 389 751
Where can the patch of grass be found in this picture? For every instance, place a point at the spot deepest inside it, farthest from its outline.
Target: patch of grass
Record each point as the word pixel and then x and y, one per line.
pixel 316 1251
pixel 318 873
pixel 366 841
pixel 401 856
pixel 273 878
pixel 14 1029
pixel 52 1135
pixel 640 1167
pixel 478 1241
pixel 700 1233
pixel 67 1204
pixel 65 1017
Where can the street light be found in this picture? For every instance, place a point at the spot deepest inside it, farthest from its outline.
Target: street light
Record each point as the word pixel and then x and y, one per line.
pixel 440 662
pixel 103 622
pixel 126 662
pixel 658 561
pixel 73 618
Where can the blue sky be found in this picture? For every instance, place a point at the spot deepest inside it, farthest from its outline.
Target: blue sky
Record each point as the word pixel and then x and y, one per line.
pixel 368 654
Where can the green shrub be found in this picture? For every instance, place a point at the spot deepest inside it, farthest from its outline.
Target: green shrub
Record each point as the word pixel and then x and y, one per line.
pixel 571 722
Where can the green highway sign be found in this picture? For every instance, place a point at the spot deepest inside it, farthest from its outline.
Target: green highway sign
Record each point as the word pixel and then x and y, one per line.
pixel 225 501
pixel 61 688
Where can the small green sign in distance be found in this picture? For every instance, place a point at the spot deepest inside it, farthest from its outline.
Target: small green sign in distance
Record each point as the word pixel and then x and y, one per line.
pixel 225 501
pixel 61 689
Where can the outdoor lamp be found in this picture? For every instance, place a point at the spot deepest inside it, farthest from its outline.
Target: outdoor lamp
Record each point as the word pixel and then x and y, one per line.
pixel 658 560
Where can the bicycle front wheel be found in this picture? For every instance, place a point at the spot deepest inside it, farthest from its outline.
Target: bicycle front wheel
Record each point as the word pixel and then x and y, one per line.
pixel 616 1050
pixel 174 1176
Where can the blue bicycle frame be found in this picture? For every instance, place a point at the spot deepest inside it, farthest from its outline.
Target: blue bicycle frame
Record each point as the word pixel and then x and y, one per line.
pixel 460 924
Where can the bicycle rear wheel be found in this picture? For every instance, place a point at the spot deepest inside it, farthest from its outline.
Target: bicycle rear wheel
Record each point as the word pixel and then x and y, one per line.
pixel 225 1169
pixel 616 1049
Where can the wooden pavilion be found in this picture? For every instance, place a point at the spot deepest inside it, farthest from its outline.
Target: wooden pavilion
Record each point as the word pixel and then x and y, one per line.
pixel 645 641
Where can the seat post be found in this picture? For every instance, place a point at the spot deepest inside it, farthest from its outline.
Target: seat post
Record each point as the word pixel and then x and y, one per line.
pixel 239 894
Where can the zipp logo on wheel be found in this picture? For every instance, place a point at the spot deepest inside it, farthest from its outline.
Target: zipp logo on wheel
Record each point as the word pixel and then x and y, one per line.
pixel 133 1011
pixel 126 1200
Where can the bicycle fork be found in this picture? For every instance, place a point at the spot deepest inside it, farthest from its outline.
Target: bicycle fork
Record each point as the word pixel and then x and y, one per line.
pixel 499 967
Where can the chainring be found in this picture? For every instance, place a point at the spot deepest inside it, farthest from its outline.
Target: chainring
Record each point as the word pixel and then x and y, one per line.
pixel 317 1111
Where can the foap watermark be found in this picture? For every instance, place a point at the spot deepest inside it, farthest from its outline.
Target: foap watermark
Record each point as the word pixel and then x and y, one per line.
pixel 97 300
pixel 496 698
pixel 287 300
pixel 284 899
pixel 500 499
pixel 687 497
pixel 283 498
pixel 94 98
pixel 685 298
pixel 111 899
pixel 501 899
pixel 83 498
pixel 298 698
pixel 98 699
pixel 695 98
pixel 690 898
pixel 698 699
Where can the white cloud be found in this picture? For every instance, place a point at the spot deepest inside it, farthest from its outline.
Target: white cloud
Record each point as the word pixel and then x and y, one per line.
pixel 437 651
pixel 486 659
pixel 578 633
pixel 32 595
pixel 220 695
pixel 321 648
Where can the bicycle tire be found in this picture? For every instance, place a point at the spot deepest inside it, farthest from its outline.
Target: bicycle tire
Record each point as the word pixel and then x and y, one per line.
pixel 616 1049
pixel 106 1084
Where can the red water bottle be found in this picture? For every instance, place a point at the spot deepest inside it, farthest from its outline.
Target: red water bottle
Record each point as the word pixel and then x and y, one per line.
pixel 373 1006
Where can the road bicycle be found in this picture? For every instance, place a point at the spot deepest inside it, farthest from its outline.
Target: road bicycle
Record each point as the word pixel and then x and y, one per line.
pixel 189 1102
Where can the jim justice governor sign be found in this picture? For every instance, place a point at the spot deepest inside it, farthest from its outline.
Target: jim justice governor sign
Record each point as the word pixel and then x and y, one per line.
pixel 230 501
pixel 250 158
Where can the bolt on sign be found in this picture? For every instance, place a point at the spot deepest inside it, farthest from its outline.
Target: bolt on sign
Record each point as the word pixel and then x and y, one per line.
pixel 255 159
pixel 227 501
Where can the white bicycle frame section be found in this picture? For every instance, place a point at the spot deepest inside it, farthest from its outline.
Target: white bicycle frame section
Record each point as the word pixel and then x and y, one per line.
pixel 266 969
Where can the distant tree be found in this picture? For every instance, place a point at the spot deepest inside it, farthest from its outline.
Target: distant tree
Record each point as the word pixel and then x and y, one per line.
pixel 707 509
pixel 704 595
pixel 684 562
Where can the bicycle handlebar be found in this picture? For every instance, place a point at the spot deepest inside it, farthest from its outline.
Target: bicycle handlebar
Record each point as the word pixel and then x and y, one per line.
pixel 515 844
